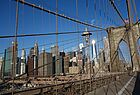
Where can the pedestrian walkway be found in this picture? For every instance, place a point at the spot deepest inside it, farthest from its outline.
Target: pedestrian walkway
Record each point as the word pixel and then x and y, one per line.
pixel 136 90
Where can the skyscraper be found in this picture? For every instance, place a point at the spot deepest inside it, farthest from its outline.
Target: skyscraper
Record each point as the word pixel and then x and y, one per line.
pixel 93 49
pixel 55 55
pixel 66 64
pixel 35 58
pixel 30 62
pixel 7 66
pixel 53 65
pixel 45 59
pixel 48 67
pixel 23 61
pixel 10 61
pixel 14 58
pixel 41 62
pixel 61 63
pixel 94 53
pixel 18 66
pixel 54 50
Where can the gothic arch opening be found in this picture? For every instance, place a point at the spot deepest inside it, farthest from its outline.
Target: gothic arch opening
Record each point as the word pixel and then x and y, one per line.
pixel 124 55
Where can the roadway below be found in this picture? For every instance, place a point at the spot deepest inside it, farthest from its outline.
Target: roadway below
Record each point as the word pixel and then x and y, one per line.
pixel 129 85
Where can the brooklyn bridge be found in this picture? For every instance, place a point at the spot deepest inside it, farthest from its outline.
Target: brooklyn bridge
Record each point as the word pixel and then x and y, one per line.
pixel 69 47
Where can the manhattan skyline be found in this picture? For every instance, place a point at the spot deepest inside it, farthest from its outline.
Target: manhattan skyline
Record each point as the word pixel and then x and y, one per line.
pixel 35 21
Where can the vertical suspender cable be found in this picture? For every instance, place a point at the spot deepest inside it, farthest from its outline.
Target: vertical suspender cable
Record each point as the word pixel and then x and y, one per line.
pixel 135 11
pixel 56 37
pixel 23 21
pixel 77 28
pixel 87 10
pixel 15 50
pixel 57 28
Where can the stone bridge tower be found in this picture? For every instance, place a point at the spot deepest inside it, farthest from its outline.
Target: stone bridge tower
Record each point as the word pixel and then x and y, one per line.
pixel 130 36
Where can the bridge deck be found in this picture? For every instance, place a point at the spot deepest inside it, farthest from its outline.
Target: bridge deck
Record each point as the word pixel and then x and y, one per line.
pixel 77 87
pixel 136 90
pixel 124 86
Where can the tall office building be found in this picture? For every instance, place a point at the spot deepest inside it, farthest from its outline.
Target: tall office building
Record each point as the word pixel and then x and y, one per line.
pixel 30 62
pixel 10 58
pixel 41 62
pixel 93 50
pixel 95 63
pixel 35 58
pixel 14 58
pixel 48 67
pixel 55 50
pixel 53 65
pixel 59 64
pixel 66 64
pixel 31 53
pixel 7 66
pixel 55 55
pixel 45 59
pixel 18 66
pixel 23 61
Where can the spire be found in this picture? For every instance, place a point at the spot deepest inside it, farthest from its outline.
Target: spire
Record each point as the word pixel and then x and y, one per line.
pixel 36 48
pixel 23 53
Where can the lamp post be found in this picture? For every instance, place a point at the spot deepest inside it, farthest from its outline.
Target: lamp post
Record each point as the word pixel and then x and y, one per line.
pixel 86 35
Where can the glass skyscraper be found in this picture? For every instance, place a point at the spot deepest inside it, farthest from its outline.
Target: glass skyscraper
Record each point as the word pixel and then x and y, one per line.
pixel 7 66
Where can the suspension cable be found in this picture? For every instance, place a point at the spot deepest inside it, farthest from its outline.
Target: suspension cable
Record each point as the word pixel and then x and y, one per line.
pixel 46 34
pixel 60 15
pixel 114 6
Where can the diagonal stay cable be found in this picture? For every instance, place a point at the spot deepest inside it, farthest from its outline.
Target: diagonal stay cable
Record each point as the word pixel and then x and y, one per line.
pixel 114 6
pixel 58 14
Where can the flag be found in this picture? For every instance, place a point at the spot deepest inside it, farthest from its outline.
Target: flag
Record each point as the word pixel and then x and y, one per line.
pixel 126 21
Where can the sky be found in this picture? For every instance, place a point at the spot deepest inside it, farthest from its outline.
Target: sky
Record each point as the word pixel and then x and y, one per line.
pixel 33 21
